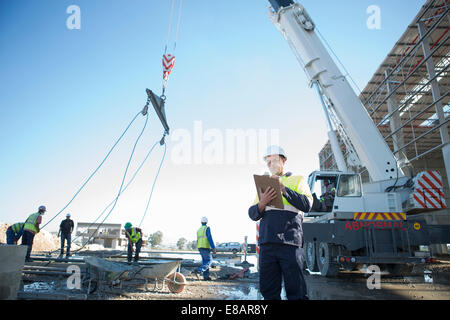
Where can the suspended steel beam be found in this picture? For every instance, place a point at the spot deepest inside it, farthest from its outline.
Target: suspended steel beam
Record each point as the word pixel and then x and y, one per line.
pixel 158 105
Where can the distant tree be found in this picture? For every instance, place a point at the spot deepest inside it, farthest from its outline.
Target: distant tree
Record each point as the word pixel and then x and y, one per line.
pixel 181 243
pixel 155 238
pixel 192 245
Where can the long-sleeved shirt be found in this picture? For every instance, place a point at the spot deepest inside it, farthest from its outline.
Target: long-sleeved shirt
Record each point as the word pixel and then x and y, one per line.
pixel 284 226
pixel 210 239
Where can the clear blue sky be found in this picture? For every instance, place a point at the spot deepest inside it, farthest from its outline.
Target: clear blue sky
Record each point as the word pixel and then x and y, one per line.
pixel 66 95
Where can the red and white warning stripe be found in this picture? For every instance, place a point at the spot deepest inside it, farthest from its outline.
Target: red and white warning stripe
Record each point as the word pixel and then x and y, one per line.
pixel 168 62
pixel 428 191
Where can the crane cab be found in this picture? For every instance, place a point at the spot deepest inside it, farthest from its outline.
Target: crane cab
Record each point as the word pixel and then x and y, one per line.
pixel 334 190
pixel 339 195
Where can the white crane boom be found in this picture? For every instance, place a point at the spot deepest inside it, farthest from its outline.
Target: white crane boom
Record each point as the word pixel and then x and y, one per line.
pixel 299 30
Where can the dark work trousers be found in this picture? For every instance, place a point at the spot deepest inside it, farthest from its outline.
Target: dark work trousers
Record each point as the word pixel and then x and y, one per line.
pixel 10 236
pixel 27 240
pixel 138 249
pixel 64 237
pixel 277 262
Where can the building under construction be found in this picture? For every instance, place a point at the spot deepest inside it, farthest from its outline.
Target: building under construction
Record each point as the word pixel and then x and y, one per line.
pixel 407 98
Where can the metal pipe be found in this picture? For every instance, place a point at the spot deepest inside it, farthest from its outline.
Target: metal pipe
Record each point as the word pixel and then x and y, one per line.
pixel 417 44
pixel 431 68
pixel 422 135
pixel 43 268
pixel 413 96
pixel 46 259
pixel 48 273
pixel 428 151
pixel 408 76
pixel 417 115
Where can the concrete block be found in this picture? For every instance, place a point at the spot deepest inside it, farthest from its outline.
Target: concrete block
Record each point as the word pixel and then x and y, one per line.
pixel 12 259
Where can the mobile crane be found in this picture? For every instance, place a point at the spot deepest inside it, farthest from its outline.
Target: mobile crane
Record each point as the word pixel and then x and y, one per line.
pixel 380 222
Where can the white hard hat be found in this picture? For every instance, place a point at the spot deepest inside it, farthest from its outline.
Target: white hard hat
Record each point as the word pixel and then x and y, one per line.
pixel 271 150
pixel 67 215
pixel 204 220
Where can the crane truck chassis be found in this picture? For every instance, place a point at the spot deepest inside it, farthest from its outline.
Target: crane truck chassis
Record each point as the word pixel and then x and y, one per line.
pixel 347 239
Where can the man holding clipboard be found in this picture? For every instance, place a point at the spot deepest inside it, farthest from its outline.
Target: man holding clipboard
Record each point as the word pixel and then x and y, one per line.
pixel 280 208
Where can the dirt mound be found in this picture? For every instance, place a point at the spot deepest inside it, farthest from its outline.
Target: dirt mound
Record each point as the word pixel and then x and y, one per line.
pixel 43 241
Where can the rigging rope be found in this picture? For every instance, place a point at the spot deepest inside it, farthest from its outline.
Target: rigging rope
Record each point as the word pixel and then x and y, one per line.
pixel 339 60
pixel 168 64
pixel 121 185
pixel 126 186
pixel 170 25
pixel 168 60
pixel 154 182
pixel 95 171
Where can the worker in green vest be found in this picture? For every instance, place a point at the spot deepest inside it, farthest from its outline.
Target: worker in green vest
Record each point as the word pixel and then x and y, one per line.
pixel 134 236
pixel 14 232
pixel 205 244
pixel 31 228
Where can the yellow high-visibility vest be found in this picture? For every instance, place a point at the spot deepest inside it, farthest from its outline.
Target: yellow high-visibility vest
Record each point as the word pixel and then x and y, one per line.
pixel 30 223
pixel 295 183
pixel 202 239
pixel 16 227
pixel 134 236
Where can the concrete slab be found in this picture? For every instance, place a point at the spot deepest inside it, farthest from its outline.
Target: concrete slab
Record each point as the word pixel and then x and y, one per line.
pixel 12 259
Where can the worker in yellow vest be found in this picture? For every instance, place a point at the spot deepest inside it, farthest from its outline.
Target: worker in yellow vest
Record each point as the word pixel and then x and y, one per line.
pixel 134 236
pixel 31 228
pixel 281 254
pixel 14 232
pixel 205 244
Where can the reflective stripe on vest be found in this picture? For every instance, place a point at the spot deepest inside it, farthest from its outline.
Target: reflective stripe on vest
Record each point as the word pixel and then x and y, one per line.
pixel 16 227
pixel 30 224
pixel 135 236
pixel 202 239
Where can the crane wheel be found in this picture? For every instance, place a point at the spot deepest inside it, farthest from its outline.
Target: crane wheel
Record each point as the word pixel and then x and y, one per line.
pixel 310 256
pixel 326 260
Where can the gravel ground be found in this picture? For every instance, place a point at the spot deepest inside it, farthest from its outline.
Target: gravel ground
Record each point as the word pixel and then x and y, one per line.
pixel 347 286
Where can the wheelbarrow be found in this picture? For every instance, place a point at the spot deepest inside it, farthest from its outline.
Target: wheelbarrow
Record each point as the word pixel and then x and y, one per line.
pixel 167 271
pixel 104 272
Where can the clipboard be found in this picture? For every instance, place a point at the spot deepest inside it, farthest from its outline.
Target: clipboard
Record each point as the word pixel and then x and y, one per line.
pixel 262 183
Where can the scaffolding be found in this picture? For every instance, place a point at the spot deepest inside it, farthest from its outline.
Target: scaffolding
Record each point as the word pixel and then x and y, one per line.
pixel 407 97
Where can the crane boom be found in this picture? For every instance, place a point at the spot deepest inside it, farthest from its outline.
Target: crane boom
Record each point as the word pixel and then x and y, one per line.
pixel 297 27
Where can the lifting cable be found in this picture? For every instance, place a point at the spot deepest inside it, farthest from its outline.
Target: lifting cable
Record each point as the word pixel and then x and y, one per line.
pixel 123 190
pixel 121 185
pixel 168 60
pixel 95 171
pixel 154 182
pixel 339 61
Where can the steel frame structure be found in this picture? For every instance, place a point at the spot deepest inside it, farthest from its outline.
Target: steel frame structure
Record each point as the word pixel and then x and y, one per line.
pixel 407 97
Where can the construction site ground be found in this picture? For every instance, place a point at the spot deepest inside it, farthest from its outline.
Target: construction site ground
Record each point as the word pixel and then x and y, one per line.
pixel 431 282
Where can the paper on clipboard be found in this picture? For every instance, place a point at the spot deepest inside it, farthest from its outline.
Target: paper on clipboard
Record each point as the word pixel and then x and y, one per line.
pixel 262 183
